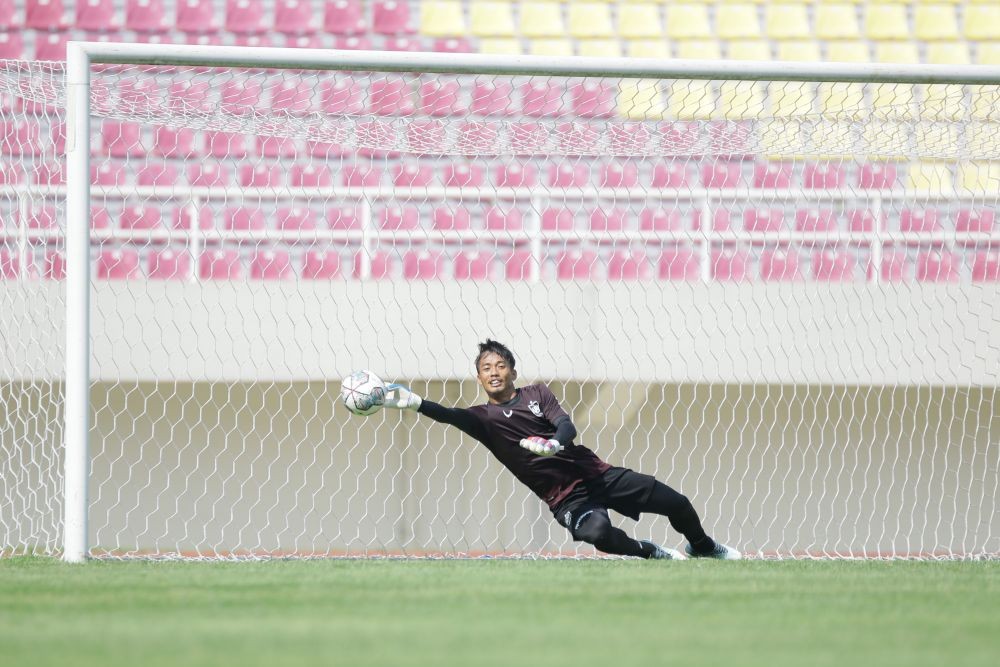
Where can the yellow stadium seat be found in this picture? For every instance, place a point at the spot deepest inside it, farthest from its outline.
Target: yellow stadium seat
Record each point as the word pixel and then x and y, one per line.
pixel 648 48
pixel 600 48
pixel 933 176
pixel 590 19
pixel 886 140
pixel 736 21
pixel 893 101
pixel 982 22
pixel 982 139
pixel 897 52
pixel 886 22
pixel 799 50
pixel 688 21
pixel 551 47
pixel 640 99
pixel 542 19
pixel 692 100
pixel 831 139
pixel 842 100
pixel 749 49
pixel 491 19
pixel 740 100
pixel 933 22
pixel 791 98
pixel 984 102
pixel 847 52
pixel 943 102
pixel 837 21
pixel 501 46
pixel 639 21
pixel 786 22
pixel 979 177
pixel 935 138
pixel 948 53
pixel 780 138
pixel 988 53
pixel 699 49
pixel 442 18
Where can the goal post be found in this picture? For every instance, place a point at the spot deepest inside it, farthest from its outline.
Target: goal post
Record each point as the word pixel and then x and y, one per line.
pixel 776 386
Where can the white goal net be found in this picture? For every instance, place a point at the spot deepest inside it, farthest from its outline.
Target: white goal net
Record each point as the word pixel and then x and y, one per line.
pixel 781 298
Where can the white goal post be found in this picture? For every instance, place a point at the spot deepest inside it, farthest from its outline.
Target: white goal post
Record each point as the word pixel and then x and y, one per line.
pixel 914 363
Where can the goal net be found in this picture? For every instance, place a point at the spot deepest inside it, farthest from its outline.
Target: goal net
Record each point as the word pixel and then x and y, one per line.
pixel 779 297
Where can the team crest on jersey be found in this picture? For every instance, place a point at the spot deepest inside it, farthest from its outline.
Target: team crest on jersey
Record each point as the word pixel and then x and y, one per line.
pixel 535 410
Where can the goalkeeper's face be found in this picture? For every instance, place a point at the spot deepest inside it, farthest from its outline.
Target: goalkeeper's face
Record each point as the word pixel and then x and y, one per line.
pixel 496 377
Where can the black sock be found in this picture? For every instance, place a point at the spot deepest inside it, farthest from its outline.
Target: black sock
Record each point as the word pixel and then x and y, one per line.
pixel 681 514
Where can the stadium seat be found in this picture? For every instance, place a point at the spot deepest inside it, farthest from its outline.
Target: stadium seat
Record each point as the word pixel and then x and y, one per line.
pixel 402 44
pixel 118 264
pixel 321 265
pixel 896 266
pixel 982 23
pixel 628 138
pixel 442 18
pixel 772 175
pixel 491 19
pixel 660 220
pixel 678 262
pixel 779 264
pixel 360 176
pixel 639 21
pixel 568 175
pixel 604 219
pixel 948 53
pixel 240 97
pixel 541 19
pixel 55 265
pixel 641 48
pixel 877 176
pixel 412 174
pixel 935 22
pixel 261 175
pixel 52 173
pixel 528 138
pixel 196 16
pixel 97 15
pixel 669 175
pixel 979 177
pixel 41 217
pixel 452 44
pixel 699 49
pixel 640 99
pixel 399 218
pixel 558 220
pixel 737 20
pixel 220 264
pixel 515 175
pixel 452 217
pixel 343 96
pixel 687 21
pixel 498 219
pixel 786 21
pixel 245 17
pixel 140 217
pixel 628 265
pixel 472 265
pixel 518 265
pixel 225 145
pixel 836 20
pixel 423 265
pixel 391 17
pixel 463 175
pixel 894 52
pixel 886 22
pixel 390 96
pixel 763 219
pixel 749 49
pixel 169 264
pixel 10 265
pixel 440 98
pixel 296 219
pixel 271 264
pixel 477 137
pixel 593 99
pixel 344 17
pixel 99 218
pixel 577 138
pixel 861 221
pixel 275 147
pixel 380 265
pixel 968 220
pixel 492 99
pixel 296 17
pixel 9 15
pixel 618 174
pixel 929 176
pixel 833 265
pixel 343 219
pixel 848 51
pixel 823 175
pixel 51 46
pixel 189 96
pixel 291 96
pixel 589 19
pixel 692 100
pixel 815 220
pixel 921 221
pixel 170 142
pixel 425 136
pixel 938 266
pixel 576 265
pixel 986 266
pixel 122 139
pixel 44 15
pixel 541 98
pixel 352 43
pixel 799 50
pixel 11 46
pixel 720 174
pixel 242 219
pixel 729 265
pixel 20 138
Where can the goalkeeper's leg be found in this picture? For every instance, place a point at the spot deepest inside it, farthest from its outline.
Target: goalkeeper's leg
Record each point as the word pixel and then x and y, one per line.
pixel 681 514
pixel 593 526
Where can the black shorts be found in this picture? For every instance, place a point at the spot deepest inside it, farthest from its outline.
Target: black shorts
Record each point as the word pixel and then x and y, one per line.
pixel 620 489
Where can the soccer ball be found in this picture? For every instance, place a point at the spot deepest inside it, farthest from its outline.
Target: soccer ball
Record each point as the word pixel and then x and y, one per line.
pixel 363 393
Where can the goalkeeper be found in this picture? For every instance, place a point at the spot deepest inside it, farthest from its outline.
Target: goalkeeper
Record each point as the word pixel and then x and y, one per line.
pixel 529 432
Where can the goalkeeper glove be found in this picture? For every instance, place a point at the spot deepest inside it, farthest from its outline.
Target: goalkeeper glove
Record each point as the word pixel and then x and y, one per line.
pixel 398 396
pixel 541 446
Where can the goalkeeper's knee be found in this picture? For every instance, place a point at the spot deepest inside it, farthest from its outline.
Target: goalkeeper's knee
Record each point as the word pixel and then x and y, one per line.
pixel 594 527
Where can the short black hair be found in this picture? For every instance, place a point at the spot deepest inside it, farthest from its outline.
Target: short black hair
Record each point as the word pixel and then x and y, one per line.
pixel 496 348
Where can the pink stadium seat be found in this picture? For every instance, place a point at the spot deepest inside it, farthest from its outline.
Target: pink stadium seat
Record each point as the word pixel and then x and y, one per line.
pixel 729 138
pixel 240 97
pixel 492 99
pixel 311 176
pixel 628 265
pixel 291 97
pixel 833 265
pixel 424 134
pixel 518 265
pixel 169 264
pixel 877 176
pixel 8 15
pixel 568 175
pixel 99 218
pixel 343 96
pixel 452 217
pixel 660 220
pixel 475 138
pixel 44 15
pixel 679 138
pixel 670 175
pixel 242 219
pixel 608 220
pixel 576 265
pixel 345 17
pixel 390 96
pixel 303 42
pixel 541 98
pixel 772 175
pixel 576 138
pixel 140 217
pixel 261 175
pixel 861 220
pixel 146 16
pixel 968 220
pixel 41 217
pixel 208 175
pixel 360 176
pixel 938 266
pixel 440 98
pixel 20 138
pixel 721 220
pixel 986 266
pixel 720 174
pixel 170 142
pixel 139 95
pixel 815 220
pixel 295 17
pixel 343 219
pixel 463 175
pixel 225 145
pixel 729 265
pixel 628 138
pixel 593 99
pixel 763 220
pixel 919 220
pixel 11 46
pixel 11 174
pixel 321 265
pixel 473 265
pixel 196 16
pixel 896 266
pixel 391 17
pixel 412 174
pixel 619 174
pixel 321 149
pixel 220 264
pixel 268 264
pixel 779 264
pixel 97 15
pixel 52 173
pixel 402 44
pixel 296 219
pixel 122 139
pixel 423 265
pixel 823 175
pixel 453 45
pixel 51 45
pixel 352 43
pixel 10 265
pixel 118 264
pixel 528 138
pixel 678 263
pixel 497 219
pixel 245 17
pixel 276 147
pixel 183 217
pixel 399 218
pixel 380 266
pixel 55 265
pixel 515 175
pixel 558 220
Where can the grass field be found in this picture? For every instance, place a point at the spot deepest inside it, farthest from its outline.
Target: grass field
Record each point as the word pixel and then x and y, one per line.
pixel 509 613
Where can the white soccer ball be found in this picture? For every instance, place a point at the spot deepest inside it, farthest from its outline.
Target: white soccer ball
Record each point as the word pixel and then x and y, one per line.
pixel 363 393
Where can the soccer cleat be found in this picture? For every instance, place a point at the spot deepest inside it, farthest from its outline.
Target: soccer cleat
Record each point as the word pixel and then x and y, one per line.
pixel 663 553
pixel 720 552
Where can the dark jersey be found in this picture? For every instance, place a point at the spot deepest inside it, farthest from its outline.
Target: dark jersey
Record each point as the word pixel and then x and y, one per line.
pixel 534 410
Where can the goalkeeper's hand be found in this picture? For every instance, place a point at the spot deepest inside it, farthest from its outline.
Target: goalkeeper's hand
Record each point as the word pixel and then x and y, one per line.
pixel 541 446
pixel 398 396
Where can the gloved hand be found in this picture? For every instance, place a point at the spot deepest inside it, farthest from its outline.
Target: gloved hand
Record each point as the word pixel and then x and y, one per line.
pixel 541 446
pixel 398 396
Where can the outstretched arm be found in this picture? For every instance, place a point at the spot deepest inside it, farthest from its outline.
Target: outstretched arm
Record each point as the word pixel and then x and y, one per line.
pixel 399 396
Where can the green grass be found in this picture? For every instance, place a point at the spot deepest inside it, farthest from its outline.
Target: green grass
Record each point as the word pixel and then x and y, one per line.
pixel 510 613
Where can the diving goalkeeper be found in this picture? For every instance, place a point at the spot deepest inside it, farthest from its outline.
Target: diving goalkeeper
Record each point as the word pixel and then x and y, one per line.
pixel 529 432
